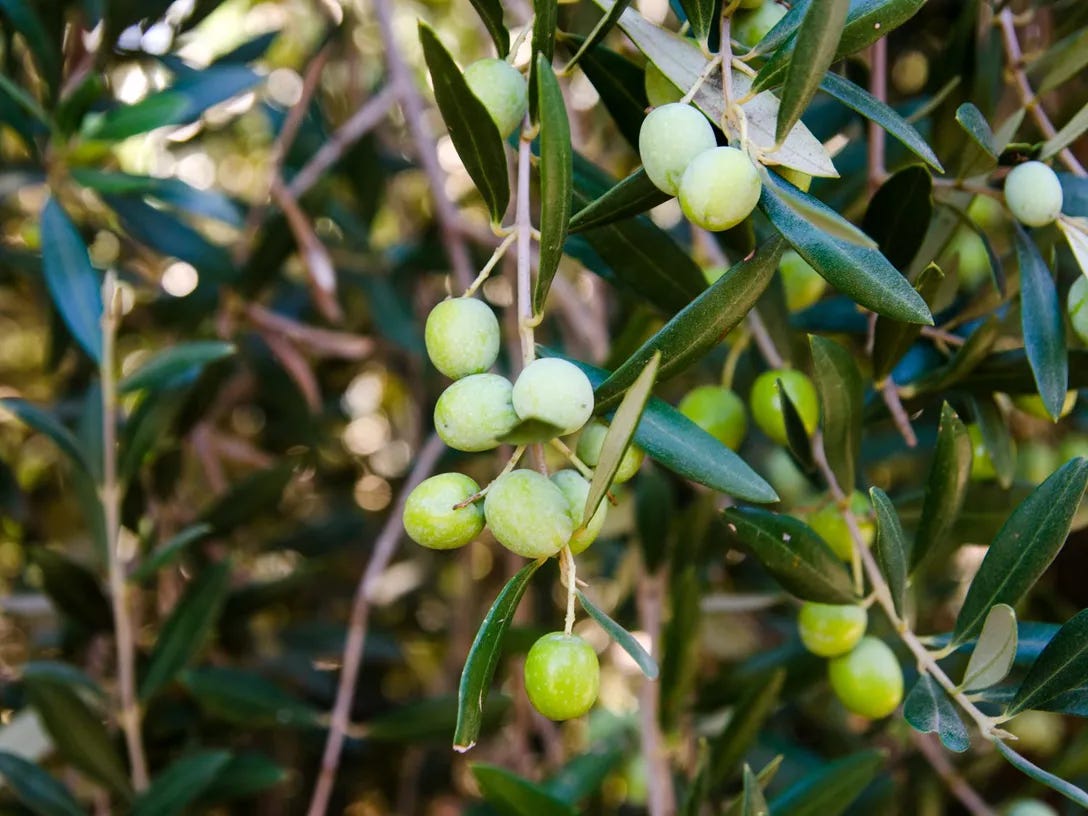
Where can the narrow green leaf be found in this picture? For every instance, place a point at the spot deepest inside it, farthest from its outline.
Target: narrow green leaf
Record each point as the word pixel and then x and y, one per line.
pixel 797 438
pixel 995 650
pixel 1062 666
pixel 491 13
pixel 513 796
pixel 1027 544
pixel 171 551
pixel 1073 130
pixel 431 719
pixel 1042 324
pixel 841 393
pixel 965 359
pixel 244 776
pixel 979 153
pixel 619 434
pixel 545 24
pixel 763 778
pixel 749 714
pixel 474 133
pixel 1056 783
pixel 582 776
pixel 181 784
pixel 655 506
pixel 899 214
pixel 929 710
pixel 483 658
pixel 556 179
pixel 45 423
pixel 175 365
pixel 783 30
pixel 813 52
pixel 146 430
pixel 621 636
pixel 893 338
pixel 793 553
pixel 997 438
pixel 23 19
pixel 155 111
pixel 819 215
pixel 173 192
pixel 246 698
pixel 600 31
pixel 863 274
pixel 831 789
pixel 890 547
pixel 633 195
pixel 73 590
pixel 700 325
pixel 257 493
pixel 73 283
pixel 36 789
pixel 1060 62
pixel 700 14
pixel 754 803
pixel 530 432
pixel 679 637
pixel 1077 239
pixel 188 627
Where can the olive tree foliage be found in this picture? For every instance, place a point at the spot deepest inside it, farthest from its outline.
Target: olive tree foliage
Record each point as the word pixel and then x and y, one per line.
pixel 837 583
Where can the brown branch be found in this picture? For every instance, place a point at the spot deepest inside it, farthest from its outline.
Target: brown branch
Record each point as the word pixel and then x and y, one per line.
pixel 319 265
pixel 323 342
pixel 890 393
pixel 956 784
pixel 661 799
pixel 384 547
pixel 878 87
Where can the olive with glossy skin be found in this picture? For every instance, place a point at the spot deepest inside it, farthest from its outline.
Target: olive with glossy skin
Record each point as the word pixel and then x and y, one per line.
pixel 1033 404
pixel 719 189
pixel 1033 194
pixel 575 490
pixel 502 89
pixel 749 27
pixel 589 451
pixel 562 676
pixel 473 412
pixel 766 402
pixel 670 138
pixel 868 680
pixel 554 391
pixel 1076 304
pixel 829 630
pixel 462 337
pixel 659 88
pixel 802 284
pixel 430 518
pixel 718 411
pixel 528 514
pixel 830 524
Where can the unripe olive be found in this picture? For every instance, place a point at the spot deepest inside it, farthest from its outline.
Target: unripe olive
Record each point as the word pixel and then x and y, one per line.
pixel 830 524
pixel 1074 445
pixel 575 490
pixel 528 514
pixel 430 518
pixel 670 138
pixel 502 89
pixel 474 412
pixel 719 412
pixel 554 391
pixel 1033 194
pixel 982 463
pixel 462 337
pixel 985 211
pixel 659 88
pixel 1028 807
pixel 1041 733
pixel 972 262
pixel 1077 306
pixel 1035 461
pixel 803 284
pixel 1033 404
pixel 719 188
pixel 749 27
pixel 766 402
pixel 910 72
pixel 562 676
pixel 829 630
pixel 868 680
pixel 589 451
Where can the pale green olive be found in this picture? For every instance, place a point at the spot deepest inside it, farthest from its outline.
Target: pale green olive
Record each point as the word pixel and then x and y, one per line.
pixel 462 337
pixel 803 284
pixel 502 89
pixel 910 72
pixel 575 490
pixel 1076 305
pixel 562 676
pixel 1033 194
pixel 554 391
pixel 589 451
pixel 430 518
pixel 670 138
pixel 868 680
pixel 474 412
pixel 528 514
pixel 720 188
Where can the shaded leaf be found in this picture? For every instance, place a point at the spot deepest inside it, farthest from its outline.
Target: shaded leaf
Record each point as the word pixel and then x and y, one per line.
pixel 257 493
pixel 634 195
pixel 819 215
pixel 513 796
pixel 24 19
pixel 979 152
pixel 797 439
pixel 431 719
pixel 619 83
pixel 545 24
pixel 243 776
pixel 176 365
pixel 1056 783
pixel 181 784
pixel 556 179
pixel 36 789
pixel 1062 666
pixel 246 698
pixel 893 338
pixel 1073 130
pixel 996 438
pixel 491 14
pixel 831 789
pixel 73 590
pixel 1042 324
pixel 622 637
pixel 995 650
pixel 45 423
pixel 1078 242
pixel 841 390
pixel 171 551
pixel 814 50
pixel 170 191
pixel 749 714
pixel 581 776
pixel 753 802
pixel 963 361
pixel 700 14
pixel 899 214
pixel 74 285
pixel 890 547
pixel 929 710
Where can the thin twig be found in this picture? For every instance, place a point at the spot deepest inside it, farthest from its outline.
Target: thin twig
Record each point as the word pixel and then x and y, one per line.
pixel 931 751
pixel 763 340
pixel 661 800
pixel 523 228
pixel 315 256
pixel 878 87
pixel 322 342
pixel 1028 98
pixel 110 498
pixel 933 333
pixel 384 547
pixel 890 393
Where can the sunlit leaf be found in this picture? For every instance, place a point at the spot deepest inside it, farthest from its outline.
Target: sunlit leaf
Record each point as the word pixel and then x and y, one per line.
pixel 174 365
pixel 995 650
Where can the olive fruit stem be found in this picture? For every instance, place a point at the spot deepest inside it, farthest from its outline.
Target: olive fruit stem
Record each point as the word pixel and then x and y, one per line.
pixel 694 89
pixel 572 457
pixel 729 368
pixel 496 256
pixel 510 464
pixel 516 45
pixel 569 576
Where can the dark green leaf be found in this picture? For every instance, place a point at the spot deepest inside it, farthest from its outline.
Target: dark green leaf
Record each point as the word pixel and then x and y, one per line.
pixel 23 19
pixel 243 776
pixel 655 505
pixel 530 432
pixel 513 796
pixel 700 14
pixel 700 325
pixel 797 557
pixel 175 365
pixel 797 439
pixel 814 50
pixel 1010 371
pixel 679 636
pixel 491 14
pixel 996 438
pixel 545 24
pixel 1025 547
pixel 182 783
pixel 1066 789
pixel 157 110
pixel 1062 666
pixel 188 627
pixel 749 714
pixel 73 589
pixel 899 214
pixel 994 651
pixel 980 152
pixel 45 423
pixel 621 636
pixel 556 179
pixel 483 658
pixel 963 361
pixel 783 30
pixel 619 82
pixel 929 710
pixel 73 283
pixel 36 789
pixel 841 391
pixel 599 32
pixel 170 191
pixel 474 133
pixel 830 790
pixel 863 274
pixel 147 429
pixel 581 776
pixel 753 802
pixel 1073 130
pixel 893 338
pixel 171 551
pixel 246 698
pixel 891 547
pixel 819 216
pixel 633 195
pixel 763 779
pixel 257 493
pixel 430 720
pixel 1043 327
pixel 1060 62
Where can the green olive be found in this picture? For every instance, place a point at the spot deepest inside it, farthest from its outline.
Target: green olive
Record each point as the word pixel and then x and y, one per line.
pixel 475 411
pixel 749 27
pixel 719 188
pixel 766 402
pixel 554 391
pixel 462 337
pixel 575 490
pixel 659 88
pixel 829 630
pixel 562 676
pixel 430 518
pixel 502 89
pixel 803 285
pixel 528 514
pixel 670 138
pixel 868 680
pixel 1033 404
pixel 830 524
pixel 589 451
pixel 719 412
pixel 1033 194
pixel 1076 305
